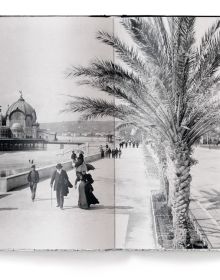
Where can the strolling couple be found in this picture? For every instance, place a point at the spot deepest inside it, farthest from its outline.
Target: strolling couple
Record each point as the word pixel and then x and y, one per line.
pixel 86 196
pixel 61 184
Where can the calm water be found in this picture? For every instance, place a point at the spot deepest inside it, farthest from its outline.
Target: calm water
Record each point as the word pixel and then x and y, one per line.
pixel 12 162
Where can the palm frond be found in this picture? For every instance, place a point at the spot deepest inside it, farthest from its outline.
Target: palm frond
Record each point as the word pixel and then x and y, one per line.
pixel 161 81
pixel 127 54
pixel 125 125
pixel 93 108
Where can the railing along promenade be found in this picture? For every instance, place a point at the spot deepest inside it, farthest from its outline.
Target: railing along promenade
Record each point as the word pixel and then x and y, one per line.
pixel 18 180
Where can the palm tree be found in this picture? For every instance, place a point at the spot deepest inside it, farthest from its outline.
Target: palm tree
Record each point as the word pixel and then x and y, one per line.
pixel 165 82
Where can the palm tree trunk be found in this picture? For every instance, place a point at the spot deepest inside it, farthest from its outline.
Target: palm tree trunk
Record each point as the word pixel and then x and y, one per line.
pixel 162 166
pixel 181 195
pixel 171 178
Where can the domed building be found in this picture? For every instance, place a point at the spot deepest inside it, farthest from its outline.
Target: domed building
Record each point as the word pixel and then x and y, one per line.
pixel 17 130
pixel 20 121
pixel 5 132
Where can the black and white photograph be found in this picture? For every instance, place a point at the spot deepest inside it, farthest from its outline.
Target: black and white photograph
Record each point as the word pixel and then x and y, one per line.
pixel 109 133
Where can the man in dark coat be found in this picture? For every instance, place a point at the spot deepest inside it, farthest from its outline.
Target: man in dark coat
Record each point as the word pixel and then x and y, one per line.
pixel 33 179
pixel 60 180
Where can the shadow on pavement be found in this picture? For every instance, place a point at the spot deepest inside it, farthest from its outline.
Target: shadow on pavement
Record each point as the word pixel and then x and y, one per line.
pixel 4 195
pixel 20 188
pixel 70 207
pixel 8 208
pixel 110 207
pixel 43 199
pixel 213 197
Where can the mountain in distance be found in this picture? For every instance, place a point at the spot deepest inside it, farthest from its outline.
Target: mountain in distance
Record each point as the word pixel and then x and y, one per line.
pixel 90 127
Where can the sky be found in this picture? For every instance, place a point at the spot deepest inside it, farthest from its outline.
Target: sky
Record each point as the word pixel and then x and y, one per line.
pixel 35 53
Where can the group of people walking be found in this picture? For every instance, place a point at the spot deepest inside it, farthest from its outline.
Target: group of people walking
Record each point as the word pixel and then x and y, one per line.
pixel 129 144
pixel 110 153
pixel 60 182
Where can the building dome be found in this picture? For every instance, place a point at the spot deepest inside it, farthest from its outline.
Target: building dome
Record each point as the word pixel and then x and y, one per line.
pixel 22 106
pixel 17 127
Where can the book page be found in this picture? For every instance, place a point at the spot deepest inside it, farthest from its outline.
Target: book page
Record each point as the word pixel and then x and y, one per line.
pixel 57 178
pixel 166 180
pixel 109 133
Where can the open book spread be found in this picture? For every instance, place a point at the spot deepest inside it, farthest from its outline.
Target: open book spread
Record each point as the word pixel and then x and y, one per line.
pixel 109 133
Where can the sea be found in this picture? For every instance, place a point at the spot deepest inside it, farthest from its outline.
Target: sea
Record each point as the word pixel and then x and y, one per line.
pixel 14 162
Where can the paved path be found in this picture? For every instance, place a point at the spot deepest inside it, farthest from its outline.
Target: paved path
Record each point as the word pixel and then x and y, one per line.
pixel 206 189
pixel 28 225
pixel 132 200
pixel 122 218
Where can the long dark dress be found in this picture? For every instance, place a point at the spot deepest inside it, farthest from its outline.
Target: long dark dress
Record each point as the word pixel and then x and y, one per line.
pixel 91 199
pixel 82 202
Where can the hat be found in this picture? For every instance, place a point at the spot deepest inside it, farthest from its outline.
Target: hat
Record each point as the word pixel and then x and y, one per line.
pixel 33 166
pixel 59 166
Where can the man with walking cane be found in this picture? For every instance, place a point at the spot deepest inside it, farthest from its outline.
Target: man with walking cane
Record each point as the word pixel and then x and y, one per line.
pixel 60 181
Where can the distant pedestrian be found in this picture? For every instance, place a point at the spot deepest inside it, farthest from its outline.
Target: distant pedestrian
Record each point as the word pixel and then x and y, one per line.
pixel 133 144
pixel 73 158
pixel 33 179
pixel 109 152
pixel 116 152
pixel 31 161
pixel 126 144
pixel 119 153
pixel 106 151
pixel 60 182
pixel 102 153
pixel 113 153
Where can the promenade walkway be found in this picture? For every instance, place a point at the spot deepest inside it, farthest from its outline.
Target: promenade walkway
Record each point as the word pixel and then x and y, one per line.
pixel 206 190
pixel 122 218
pixel 133 186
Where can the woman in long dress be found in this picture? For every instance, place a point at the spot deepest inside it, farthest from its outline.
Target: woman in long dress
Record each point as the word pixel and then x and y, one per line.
pixel 86 196
pixel 91 199
pixel 82 202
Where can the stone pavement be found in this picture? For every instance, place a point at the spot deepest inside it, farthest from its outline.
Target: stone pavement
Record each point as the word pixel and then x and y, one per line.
pixel 206 190
pixel 38 225
pixel 132 199
pixel 123 217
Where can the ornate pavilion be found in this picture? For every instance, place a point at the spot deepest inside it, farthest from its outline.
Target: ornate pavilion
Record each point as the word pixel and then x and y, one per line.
pixel 20 123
